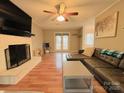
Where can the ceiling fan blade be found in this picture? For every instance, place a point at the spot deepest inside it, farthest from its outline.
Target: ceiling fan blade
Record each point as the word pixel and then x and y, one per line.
pixel 71 14
pixel 66 19
pixel 49 12
pixel 57 8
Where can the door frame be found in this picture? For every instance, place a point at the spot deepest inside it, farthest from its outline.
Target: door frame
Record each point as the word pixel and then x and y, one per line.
pixel 61 42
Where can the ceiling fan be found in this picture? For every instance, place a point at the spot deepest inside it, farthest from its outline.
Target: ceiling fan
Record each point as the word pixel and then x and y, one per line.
pixel 62 15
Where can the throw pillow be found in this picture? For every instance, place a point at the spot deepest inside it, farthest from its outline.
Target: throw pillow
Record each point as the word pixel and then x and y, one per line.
pixel 89 51
pixel 110 52
pixel 104 51
pixel 118 54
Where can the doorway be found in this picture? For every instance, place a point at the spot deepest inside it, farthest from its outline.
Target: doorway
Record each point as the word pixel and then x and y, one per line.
pixel 61 41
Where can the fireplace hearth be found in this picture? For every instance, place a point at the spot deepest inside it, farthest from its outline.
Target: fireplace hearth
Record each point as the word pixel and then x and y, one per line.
pixel 16 55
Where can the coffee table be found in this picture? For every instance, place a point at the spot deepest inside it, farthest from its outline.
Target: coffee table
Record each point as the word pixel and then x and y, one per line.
pixel 76 78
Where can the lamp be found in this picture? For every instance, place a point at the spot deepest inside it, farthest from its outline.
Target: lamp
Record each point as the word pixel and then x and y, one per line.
pixel 60 18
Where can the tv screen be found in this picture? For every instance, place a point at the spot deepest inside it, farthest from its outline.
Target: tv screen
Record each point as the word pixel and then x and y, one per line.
pixel 21 52
pixel 13 20
pixel 46 45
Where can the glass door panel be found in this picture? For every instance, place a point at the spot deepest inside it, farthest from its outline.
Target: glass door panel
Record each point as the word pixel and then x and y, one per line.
pixel 65 42
pixel 58 42
pixel 61 41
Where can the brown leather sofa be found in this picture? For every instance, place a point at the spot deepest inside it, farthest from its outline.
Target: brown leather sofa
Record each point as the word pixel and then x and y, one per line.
pixel 108 70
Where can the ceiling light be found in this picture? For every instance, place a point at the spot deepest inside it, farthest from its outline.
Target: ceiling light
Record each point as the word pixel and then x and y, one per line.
pixel 60 18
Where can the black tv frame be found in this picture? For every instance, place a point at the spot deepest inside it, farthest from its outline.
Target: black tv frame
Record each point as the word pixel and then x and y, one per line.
pixel 14 21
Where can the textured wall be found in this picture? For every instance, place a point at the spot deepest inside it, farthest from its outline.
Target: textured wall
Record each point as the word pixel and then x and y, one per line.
pixel 37 40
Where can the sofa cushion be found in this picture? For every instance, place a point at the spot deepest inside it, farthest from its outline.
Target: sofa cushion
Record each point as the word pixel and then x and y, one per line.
pixel 113 75
pixel 89 51
pixel 110 52
pixel 75 57
pixel 104 51
pixel 111 60
pixel 122 88
pixel 121 65
pixel 114 78
pixel 95 62
pixel 97 52
pixel 118 54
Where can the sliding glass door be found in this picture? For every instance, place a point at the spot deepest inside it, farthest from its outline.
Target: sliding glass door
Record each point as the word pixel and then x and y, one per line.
pixel 58 41
pixel 61 41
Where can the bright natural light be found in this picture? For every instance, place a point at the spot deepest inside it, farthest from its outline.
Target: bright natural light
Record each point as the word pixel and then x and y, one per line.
pixel 65 42
pixel 90 39
pixel 58 42
pixel 62 41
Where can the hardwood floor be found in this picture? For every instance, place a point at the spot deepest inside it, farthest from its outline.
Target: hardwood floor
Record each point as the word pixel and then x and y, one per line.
pixel 46 77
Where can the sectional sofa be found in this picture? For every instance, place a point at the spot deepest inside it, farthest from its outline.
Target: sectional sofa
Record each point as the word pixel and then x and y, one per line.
pixel 108 68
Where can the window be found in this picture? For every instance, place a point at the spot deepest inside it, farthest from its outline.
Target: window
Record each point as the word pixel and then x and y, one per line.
pixel 89 39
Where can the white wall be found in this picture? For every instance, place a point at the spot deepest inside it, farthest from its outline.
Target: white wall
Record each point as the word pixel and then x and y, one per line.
pixel 37 40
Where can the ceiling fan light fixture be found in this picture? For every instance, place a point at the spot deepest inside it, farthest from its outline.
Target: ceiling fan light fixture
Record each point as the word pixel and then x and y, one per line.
pixel 60 18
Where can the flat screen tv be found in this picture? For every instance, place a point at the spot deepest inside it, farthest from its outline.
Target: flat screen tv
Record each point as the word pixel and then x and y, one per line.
pixel 13 20
pixel 46 45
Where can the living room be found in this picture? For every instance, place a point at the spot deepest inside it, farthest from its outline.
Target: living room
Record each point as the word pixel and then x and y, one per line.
pixel 45 43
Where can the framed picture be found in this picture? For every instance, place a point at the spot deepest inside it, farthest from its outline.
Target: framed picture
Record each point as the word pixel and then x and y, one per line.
pixel 107 26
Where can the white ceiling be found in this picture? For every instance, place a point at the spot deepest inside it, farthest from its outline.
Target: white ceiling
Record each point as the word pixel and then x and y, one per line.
pixel 86 9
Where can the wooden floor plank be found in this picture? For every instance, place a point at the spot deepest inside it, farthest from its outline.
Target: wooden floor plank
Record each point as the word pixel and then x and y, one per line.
pixel 46 77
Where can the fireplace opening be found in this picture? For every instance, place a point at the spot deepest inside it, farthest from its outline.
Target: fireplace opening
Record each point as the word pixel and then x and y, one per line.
pixel 17 54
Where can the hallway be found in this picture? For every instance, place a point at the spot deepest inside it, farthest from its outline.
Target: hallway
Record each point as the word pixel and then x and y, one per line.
pixel 46 76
